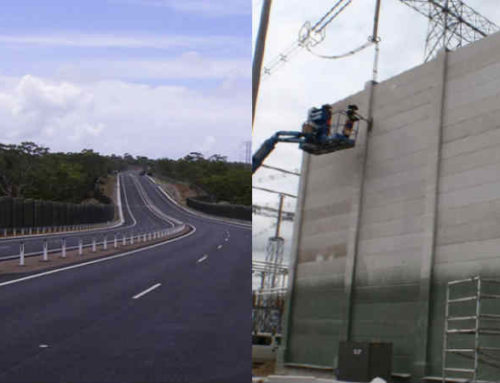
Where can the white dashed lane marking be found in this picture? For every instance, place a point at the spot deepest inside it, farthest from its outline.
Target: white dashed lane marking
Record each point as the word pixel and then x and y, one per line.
pixel 204 258
pixel 146 291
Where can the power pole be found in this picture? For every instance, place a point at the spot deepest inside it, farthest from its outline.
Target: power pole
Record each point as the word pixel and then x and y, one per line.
pixel 260 45
pixel 248 152
pixel 280 212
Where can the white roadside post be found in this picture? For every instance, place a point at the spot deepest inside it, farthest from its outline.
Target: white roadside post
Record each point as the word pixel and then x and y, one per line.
pixel 105 243
pixel 115 242
pixel 149 236
pixel 21 254
pixel 63 248
pixel 93 245
pixel 22 231
pixel 144 237
pixel 31 230
pixel 14 232
pixel 80 246
pixel 132 238
pixel 5 232
pixel 45 256
pixel 124 240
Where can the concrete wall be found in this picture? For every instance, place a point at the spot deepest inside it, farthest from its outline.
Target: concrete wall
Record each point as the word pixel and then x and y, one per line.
pixel 415 204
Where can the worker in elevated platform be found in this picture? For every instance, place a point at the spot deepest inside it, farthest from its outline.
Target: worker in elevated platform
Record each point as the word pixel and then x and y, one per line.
pixel 351 119
pixel 325 124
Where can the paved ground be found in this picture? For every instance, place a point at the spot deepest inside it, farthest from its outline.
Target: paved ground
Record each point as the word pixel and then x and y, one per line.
pixel 189 321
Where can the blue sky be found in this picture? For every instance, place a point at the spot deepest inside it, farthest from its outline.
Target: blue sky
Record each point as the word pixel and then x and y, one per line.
pixel 97 68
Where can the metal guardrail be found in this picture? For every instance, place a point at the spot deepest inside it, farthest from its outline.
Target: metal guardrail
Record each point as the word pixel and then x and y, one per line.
pixel 115 241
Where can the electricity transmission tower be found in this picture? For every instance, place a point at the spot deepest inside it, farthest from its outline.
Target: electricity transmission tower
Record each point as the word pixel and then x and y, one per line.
pixel 269 299
pixel 248 152
pixel 452 24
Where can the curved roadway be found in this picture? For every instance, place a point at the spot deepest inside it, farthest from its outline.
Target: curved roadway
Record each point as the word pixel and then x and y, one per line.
pixel 173 312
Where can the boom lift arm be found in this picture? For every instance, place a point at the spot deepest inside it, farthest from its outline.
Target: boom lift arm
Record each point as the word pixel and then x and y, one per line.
pixel 268 146
pixel 323 132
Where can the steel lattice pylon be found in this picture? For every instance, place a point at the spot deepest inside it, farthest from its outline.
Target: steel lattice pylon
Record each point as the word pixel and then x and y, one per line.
pixel 268 301
pixel 452 24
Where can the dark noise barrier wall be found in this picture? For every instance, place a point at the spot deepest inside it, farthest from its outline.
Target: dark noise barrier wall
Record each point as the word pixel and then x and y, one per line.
pixel 223 210
pixel 19 213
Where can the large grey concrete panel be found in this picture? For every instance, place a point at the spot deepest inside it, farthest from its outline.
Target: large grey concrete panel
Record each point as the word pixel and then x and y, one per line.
pixel 475 212
pixel 416 204
pixel 392 227
pixel 403 164
pixel 328 224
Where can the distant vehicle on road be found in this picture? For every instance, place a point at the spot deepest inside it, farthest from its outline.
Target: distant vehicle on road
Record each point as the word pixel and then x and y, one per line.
pixel 142 172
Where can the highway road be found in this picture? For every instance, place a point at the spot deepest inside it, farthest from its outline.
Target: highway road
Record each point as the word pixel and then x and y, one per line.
pixel 174 312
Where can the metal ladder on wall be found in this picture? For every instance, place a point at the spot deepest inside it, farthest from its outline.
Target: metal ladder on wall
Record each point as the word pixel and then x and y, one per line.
pixel 471 325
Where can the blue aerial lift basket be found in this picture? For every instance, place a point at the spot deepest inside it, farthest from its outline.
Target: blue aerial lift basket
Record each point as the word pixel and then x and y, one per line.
pixel 324 132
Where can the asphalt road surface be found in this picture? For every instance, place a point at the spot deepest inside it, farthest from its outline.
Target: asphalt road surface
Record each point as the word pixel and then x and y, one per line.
pixel 174 312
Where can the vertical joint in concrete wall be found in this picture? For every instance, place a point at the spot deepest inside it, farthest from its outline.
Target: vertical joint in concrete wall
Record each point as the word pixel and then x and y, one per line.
pixel 422 333
pixel 297 229
pixel 355 219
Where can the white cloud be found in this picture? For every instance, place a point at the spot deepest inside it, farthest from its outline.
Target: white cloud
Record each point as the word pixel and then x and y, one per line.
pixel 119 117
pixel 190 65
pixel 70 39
pixel 206 7
pixel 31 108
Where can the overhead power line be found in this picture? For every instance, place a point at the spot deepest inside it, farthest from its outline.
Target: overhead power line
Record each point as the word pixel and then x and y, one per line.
pixel 309 36
pixel 267 211
pixel 342 55
pixel 274 191
pixel 280 170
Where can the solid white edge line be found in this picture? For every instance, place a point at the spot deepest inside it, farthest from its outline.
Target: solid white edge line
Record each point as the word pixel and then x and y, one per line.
pixel 119 199
pixel 97 260
pixel 137 296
